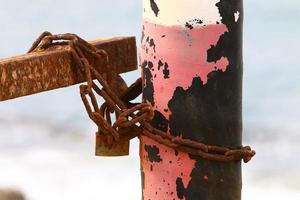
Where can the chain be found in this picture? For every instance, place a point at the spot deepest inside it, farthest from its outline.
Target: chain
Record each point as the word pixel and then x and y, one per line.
pixel 132 120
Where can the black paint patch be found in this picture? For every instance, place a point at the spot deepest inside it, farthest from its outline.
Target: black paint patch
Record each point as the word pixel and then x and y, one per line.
pixel 207 113
pixel 180 188
pixel 150 65
pixel 152 44
pixel 176 153
pixel 160 122
pixel 230 43
pixel 153 153
pixel 148 88
pixel 166 71
pixel 160 64
pixel 210 180
pixel 143 179
pixel 143 34
pixel 154 7
pixel 212 113
pixel 190 24
pixel 143 182
pixel 144 64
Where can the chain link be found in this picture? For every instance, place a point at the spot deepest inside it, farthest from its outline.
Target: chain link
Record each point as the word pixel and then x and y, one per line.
pixel 132 120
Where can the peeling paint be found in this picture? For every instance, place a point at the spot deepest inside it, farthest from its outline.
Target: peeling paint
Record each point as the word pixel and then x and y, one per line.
pixel 178 58
pixel 195 86
pixel 154 7
pixel 178 12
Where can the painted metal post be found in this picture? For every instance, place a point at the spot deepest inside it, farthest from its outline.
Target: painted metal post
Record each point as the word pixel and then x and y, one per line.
pixel 191 57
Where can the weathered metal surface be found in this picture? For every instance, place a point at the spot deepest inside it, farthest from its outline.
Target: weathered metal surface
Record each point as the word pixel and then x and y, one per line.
pixel 55 68
pixel 192 70
pixel 131 119
pixel 117 149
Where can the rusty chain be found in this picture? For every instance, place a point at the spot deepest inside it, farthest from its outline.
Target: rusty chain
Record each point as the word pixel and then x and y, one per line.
pixel 132 120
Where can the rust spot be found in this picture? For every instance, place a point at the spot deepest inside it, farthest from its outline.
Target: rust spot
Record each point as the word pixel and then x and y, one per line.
pixel 205 178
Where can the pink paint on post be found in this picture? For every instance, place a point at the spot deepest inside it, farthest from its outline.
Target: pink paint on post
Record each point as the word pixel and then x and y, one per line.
pixel 176 63
pixel 177 55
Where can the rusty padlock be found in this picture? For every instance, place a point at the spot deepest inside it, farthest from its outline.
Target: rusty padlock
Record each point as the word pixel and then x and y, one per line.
pixel 116 149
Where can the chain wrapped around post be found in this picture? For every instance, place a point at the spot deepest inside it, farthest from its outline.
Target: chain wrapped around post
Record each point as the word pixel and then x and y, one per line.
pixel 131 119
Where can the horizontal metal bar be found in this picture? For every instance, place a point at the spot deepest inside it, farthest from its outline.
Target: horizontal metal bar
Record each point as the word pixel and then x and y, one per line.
pixel 55 68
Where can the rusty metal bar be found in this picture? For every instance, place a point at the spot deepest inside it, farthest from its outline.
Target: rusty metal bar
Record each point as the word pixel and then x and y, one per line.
pixel 55 68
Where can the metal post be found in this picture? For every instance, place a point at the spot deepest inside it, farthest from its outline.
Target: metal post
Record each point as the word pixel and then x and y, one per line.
pixel 191 56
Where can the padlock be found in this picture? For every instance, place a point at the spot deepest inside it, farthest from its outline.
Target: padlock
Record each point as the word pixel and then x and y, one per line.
pixel 116 149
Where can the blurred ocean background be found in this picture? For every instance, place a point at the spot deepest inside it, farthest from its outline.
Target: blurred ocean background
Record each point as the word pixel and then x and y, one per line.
pixel 47 141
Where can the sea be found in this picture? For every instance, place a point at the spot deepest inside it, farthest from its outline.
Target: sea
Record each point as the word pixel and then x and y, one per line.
pixel 47 140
